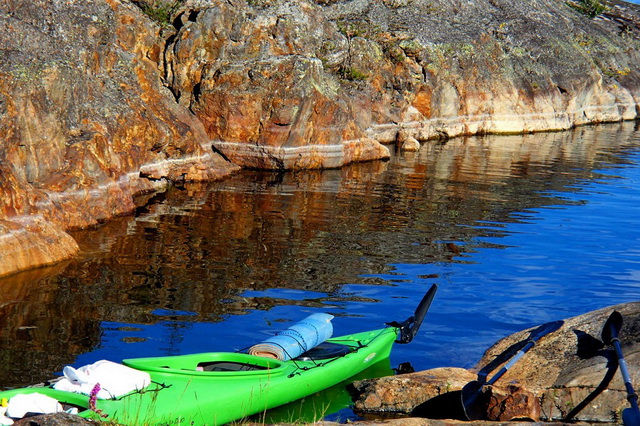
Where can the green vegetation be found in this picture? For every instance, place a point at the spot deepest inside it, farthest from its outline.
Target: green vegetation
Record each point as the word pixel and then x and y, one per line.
pixel 591 8
pixel 351 29
pixel 614 71
pixel 160 11
pixel 350 73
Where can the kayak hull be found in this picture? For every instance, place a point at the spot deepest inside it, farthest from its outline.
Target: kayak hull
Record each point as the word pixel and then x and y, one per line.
pixel 220 387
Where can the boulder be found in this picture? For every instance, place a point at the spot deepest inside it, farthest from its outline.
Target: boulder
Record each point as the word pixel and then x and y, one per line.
pixel 58 419
pixel 33 240
pixel 569 375
pixel 572 371
pixel 402 393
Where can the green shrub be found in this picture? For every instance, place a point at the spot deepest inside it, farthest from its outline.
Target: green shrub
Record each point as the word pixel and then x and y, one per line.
pixel 350 73
pixel 591 8
pixel 160 11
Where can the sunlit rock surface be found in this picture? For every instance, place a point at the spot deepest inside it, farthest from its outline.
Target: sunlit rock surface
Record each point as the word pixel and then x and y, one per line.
pixel 103 100
pixel 85 124
pixel 571 372
pixel 252 74
pixel 280 84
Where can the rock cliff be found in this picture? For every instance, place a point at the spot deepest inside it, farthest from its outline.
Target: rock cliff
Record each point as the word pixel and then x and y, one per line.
pixel 85 124
pixel 274 80
pixel 103 100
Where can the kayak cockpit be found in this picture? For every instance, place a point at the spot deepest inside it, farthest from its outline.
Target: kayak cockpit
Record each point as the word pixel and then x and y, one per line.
pixel 208 364
pixel 229 366
pixel 229 362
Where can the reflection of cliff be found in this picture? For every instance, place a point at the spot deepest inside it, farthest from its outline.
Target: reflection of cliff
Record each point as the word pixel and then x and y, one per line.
pixel 42 326
pixel 317 230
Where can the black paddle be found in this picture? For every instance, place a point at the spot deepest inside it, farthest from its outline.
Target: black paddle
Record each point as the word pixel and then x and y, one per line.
pixel 630 416
pixel 473 390
pixel 409 327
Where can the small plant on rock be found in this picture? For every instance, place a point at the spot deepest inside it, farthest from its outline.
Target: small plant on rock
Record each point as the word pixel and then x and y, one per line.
pixel 591 8
pixel 160 11
pixel 350 73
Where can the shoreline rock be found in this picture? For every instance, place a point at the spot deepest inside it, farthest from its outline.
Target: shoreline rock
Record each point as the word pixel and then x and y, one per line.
pixel 570 372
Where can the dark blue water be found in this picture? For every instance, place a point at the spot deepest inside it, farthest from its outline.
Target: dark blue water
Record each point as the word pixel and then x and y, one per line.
pixel 516 231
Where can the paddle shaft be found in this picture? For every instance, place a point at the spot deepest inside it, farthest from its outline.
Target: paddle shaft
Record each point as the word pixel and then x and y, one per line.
pixel 472 390
pixel 535 335
pixel 632 397
pixel 515 359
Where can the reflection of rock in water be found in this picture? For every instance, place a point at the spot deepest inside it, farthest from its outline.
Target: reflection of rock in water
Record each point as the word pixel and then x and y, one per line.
pixel 43 326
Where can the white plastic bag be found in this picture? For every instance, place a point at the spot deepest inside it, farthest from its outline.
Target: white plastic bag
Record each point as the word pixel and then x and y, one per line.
pixel 114 379
pixel 22 404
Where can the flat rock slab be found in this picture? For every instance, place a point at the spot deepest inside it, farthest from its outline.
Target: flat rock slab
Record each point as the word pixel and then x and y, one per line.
pixel 401 394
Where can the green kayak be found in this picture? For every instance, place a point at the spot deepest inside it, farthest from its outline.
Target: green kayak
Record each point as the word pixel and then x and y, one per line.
pixel 220 387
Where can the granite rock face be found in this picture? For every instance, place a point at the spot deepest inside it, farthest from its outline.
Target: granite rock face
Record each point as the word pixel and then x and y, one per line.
pixel 250 73
pixel 270 77
pixel 102 100
pixel 85 124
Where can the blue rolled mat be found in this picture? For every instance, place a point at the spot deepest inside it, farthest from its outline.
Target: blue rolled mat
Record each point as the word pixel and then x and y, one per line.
pixel 297 339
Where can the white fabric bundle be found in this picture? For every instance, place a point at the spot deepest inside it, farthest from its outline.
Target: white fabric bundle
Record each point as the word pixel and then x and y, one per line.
pixel 38 403
pixel 114 379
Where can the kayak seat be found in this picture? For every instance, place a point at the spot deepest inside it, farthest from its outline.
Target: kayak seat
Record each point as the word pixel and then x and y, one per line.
pixel 324 351
pixel 229 366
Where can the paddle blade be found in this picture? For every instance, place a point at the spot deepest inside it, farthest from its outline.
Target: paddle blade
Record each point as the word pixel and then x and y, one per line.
pixel 474 400
pixel 421 310
pixel 545 329
pixel 611 327
pixel 631 417
pixel 409 327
